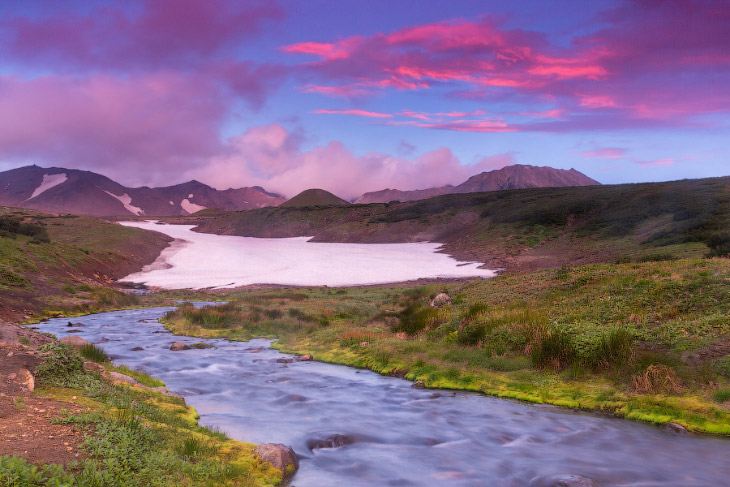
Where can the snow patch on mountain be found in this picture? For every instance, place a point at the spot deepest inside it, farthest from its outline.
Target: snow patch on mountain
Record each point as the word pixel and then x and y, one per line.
pixel 49 181
pixel 191 207
pixel 126 200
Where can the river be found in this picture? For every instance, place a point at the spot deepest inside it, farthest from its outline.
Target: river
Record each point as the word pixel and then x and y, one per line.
pixel 402 436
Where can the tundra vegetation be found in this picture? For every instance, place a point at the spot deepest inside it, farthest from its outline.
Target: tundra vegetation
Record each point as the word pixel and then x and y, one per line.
pixel 647 340
pixel 134 436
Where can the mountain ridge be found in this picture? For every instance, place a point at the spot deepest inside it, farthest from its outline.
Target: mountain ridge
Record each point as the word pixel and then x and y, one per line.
pixel 62 190
pixel 516 176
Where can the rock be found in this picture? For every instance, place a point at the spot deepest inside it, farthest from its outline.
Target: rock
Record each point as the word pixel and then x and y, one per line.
pixel 137 349
pixel 117 377
pixel 563 480
pixel 73 331
pixel 12 376
pixel 401 335
pixel 284 360
pixel 178 346
pixel 27 379
pixel 332 441
pixel 201 345
pixel 94 367
pixel 440 300
pixel 75 342
pixel 305 358
pixel 419 384
pixel 78 325
pixel 675 428
pixel 280 456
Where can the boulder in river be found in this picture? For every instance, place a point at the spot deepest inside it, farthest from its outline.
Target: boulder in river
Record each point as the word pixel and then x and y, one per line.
pixel 419 384
pixel 201 345
pixel 178 346
pixel 332 441
pixel 440 300
pixel 563 480
pixel 78 325
pixel 280 456
pixel 137 349
pixel 284 360
pixel 74 341
pixel 305 358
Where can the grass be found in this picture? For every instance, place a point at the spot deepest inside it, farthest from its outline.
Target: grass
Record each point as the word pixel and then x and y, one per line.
pixel 94 353
pixel 135 438
pixel 641 340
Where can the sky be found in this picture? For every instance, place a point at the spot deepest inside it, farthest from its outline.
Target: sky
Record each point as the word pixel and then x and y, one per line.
pixel 355 96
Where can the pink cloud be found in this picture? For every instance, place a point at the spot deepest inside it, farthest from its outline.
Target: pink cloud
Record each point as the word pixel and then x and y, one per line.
pixel 160 33
pixel 656 162
pixel 606 153
pixel 146 125
pixel 632 71
pixel 272 157
pixel 359 113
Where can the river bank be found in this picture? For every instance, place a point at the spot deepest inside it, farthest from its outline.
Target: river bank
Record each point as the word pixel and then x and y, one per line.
pixel 357 428
pixel 67 420
pixel 644 341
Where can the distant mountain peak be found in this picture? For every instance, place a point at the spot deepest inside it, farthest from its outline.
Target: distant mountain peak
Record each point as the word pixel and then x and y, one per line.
pixel 516 176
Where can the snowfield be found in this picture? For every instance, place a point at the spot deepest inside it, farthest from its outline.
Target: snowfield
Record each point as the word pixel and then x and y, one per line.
pixel 201 260
pixel 49 181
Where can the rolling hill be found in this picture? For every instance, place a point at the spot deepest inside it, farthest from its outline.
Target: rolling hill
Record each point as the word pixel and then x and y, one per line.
pixel 525 229
pixel 315 197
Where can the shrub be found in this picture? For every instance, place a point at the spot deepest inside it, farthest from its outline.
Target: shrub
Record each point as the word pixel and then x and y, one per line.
pixel 614 351
pixel 94 353
pixel 471 334
pixel 721 395
pixel 59 363
pixel 13 279
pixel 554 350
pixel 273 314
pixel 415 318
pixel 657 379
pixel 84 288
pixel 722 366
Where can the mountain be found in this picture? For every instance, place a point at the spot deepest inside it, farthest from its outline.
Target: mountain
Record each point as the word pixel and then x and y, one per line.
pixel 517 176
pixel 315 197
pixel 60 190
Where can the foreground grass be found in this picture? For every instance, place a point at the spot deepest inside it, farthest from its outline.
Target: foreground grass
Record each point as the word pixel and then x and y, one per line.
pixel 646 341
pixel 135 437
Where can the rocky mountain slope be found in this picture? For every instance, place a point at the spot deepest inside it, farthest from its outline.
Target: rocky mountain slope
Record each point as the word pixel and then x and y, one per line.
pixel 60 190
pixel 518 176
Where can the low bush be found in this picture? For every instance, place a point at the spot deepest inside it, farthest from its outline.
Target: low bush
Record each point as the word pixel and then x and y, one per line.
pixel 59 364
pixel 554 350
pixel 721 395
pixel 657 379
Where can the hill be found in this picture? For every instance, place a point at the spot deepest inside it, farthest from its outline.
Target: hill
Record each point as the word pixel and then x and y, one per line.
pixel 315 197
pixel 525 229
pixel 63 262
pixel 517 176
pixel 60 190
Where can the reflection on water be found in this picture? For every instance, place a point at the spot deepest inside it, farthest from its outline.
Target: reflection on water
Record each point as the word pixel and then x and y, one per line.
pixel 393 434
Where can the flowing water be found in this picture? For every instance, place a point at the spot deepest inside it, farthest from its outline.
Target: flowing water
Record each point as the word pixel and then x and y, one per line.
pixel 399 436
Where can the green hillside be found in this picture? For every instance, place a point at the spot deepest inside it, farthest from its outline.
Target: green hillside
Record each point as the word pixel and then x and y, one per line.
pixel 523 230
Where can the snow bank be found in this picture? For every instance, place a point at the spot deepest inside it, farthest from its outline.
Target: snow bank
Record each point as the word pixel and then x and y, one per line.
pixel 205 260
pixel 190 207
pixel 126 200
pixel 49 181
